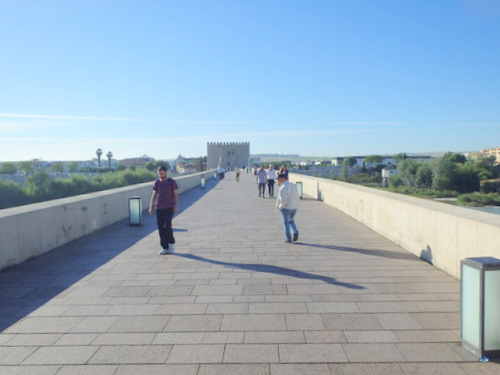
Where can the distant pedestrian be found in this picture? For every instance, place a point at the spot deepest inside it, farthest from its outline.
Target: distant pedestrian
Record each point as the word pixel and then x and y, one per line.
pixel 283 170
pixel 272 174
pixel 222 171
pixel 261 180
pixel 288 203
pixel 165 198
pixel 237 170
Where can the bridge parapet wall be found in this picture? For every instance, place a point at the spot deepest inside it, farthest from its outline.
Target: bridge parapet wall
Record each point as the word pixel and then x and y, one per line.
pixel 440 234
pixel 34 229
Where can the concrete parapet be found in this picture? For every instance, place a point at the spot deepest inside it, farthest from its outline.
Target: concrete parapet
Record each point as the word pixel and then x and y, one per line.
pixel 34 229
pixel 439 233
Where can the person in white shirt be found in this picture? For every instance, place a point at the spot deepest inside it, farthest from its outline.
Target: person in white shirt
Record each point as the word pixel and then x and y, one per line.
pixel 221 172
pixel 261 180
pixel 288 203
pixel 271 178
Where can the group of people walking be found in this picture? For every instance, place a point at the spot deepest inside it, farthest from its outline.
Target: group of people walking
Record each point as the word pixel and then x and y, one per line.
pixel 165 201
pixel 268 177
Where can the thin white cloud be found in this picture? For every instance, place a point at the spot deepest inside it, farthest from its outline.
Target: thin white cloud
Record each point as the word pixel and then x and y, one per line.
pixel 58 117
pixel 478 125
pixel 369 123
pixel 119 119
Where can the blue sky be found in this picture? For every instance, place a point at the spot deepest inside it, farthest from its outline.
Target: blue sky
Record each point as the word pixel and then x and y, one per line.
pixel 317 78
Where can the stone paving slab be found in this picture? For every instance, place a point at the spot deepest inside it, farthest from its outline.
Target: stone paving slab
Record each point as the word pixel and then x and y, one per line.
pixel 233 298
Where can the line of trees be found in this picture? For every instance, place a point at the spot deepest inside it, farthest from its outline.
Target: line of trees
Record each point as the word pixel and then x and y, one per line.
pixel 452 172
pixel 475 181
pixel 40 186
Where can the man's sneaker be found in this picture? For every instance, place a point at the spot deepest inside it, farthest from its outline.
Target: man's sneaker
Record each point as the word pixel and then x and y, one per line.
pixel 287 241
pixel 164 252
pixel 171 247
pixel 295 236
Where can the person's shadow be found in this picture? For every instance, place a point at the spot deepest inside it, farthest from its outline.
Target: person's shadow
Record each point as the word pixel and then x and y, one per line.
pixel 272 269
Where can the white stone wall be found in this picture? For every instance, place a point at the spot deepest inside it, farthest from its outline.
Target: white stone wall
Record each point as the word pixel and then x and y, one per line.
pixel 34 229
pixel 439 233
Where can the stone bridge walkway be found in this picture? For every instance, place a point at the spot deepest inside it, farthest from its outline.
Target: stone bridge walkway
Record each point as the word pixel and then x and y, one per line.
pixel 233 299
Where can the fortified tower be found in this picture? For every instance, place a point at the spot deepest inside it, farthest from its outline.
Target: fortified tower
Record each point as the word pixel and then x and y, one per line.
pixel 227 154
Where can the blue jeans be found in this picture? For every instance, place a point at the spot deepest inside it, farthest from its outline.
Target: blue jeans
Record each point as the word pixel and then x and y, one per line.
pixel 289 223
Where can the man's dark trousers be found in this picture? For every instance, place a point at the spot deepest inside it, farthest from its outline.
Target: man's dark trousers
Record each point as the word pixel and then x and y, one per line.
pixel 270 184
pixel 164 219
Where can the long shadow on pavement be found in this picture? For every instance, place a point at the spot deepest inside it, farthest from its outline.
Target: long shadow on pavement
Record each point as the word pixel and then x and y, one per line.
pixel 272 269
pixel 29 285
pixel 371 252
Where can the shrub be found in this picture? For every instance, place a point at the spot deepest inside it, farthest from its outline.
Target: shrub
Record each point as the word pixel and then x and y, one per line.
pixel 41 186
pixel 395 181
pixel 11 195
pixel 479 200
pixel 490 186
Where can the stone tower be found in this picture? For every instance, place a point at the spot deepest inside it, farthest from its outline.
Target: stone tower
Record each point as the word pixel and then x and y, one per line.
pixel 227 154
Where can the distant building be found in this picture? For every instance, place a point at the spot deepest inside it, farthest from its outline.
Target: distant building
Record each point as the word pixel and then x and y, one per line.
pixel 487 152
pixel 227 154
pixel 186 168
pixel 387 173
pixel 388 160
pixel 305 163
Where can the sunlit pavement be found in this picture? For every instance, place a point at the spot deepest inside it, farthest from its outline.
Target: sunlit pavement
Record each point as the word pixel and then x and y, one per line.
pixel 233 299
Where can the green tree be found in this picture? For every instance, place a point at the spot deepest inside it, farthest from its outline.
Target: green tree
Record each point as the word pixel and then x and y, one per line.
pixel 109 155
pixel 467 178
pixel 73 167
pixel 423 177
pixel 12 195
pixel 395 181
pixel 455 158
pixel 8 168
pixel 159 163
pixel 121 168
pixel 407 170
pixel 37 186
pixel 57 167
pixel 445 172
pixel 82 185
pixel 26 166
pixel 486 167
pixel 400 157
pixel 374 159
pixel 350 161
pixel 150 166
pixel 98 152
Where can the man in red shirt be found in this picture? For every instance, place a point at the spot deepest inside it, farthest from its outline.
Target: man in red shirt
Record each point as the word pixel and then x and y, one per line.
pixel 166 199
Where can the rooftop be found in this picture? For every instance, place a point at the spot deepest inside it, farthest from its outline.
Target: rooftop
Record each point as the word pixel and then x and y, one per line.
pixel 233 298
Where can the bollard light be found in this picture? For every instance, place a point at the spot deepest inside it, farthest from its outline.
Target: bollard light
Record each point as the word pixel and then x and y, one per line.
pixel 135 210
pixel 215 176
pixel 299 188
pixel 480 306
pixel 202 183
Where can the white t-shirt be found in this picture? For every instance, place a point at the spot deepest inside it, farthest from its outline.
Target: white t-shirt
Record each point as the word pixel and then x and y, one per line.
pixel 272 174
pixel 288 197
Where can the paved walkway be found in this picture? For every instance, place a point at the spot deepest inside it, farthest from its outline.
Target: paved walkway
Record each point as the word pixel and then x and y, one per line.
pixel 233 299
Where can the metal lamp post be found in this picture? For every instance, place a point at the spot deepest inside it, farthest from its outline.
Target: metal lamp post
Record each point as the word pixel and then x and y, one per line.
pixel 135 210
pixel 480 306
